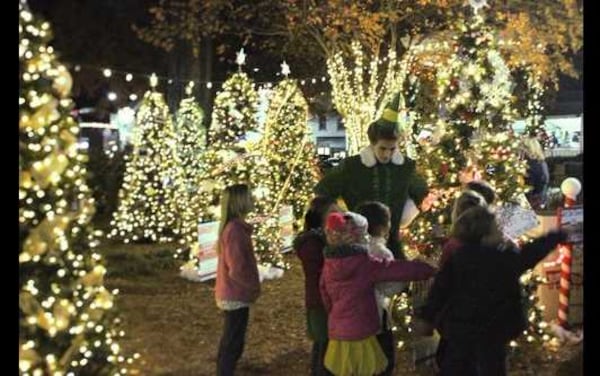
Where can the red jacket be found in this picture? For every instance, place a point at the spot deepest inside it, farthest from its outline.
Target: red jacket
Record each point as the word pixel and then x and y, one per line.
pixel 309 248
pixel 348 288
pixel 237 272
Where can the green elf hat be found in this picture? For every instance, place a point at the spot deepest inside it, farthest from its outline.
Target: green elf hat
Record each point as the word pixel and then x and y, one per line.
pixel 390 112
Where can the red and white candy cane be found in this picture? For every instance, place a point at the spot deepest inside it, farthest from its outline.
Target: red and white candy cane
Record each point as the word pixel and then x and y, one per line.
pixel 571 188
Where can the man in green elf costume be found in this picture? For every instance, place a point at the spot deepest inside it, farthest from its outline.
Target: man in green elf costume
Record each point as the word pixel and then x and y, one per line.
pixel 380 173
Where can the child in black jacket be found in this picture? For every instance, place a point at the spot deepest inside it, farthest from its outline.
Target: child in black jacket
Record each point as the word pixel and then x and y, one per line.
pixel 476 298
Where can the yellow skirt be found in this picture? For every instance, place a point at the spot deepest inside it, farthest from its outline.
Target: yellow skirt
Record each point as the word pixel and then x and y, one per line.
pixel 355 358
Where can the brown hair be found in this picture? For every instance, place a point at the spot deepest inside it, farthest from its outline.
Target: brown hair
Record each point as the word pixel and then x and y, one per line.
pixel 236 202
pixel 474 224
pixel 466 200
pixel 378 215
pixel 382 131
pixel 315 215
pixel 483 188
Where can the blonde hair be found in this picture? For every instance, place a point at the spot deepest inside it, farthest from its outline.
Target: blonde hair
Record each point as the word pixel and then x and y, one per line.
pixel 236 202
pixel 533 149
pixel 466 200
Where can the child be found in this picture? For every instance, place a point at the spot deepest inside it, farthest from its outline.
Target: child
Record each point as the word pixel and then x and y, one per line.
pixel 483 188
pixel 537 176
pixel 237 284
pixel 466 200
pixel 479 294
pixel 477 193
pixel 378 215
pixel 309 246
pixel 348 291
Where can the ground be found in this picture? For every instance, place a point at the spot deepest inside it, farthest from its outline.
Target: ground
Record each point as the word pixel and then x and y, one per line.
pixel 175 326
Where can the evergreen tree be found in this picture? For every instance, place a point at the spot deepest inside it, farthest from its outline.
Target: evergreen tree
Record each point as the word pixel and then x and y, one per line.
pixel 191 141
pixel 150 198
pixel 68 323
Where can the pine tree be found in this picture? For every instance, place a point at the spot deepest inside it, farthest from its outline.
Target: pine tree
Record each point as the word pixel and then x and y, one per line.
pixel 226 160
pixel 68 322
pixel 150 197
pixel 288 147
pixel 191 141
pixel 287 171
pixel 465 135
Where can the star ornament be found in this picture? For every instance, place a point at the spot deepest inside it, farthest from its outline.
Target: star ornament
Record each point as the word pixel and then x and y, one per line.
pixel 240 58
pixel 285 69
pixel 477 4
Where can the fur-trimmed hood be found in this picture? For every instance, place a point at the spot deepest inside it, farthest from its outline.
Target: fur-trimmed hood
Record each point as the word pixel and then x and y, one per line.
pixel 367 157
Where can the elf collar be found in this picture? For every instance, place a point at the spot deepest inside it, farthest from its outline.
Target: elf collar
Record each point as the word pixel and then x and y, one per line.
pixel 367 157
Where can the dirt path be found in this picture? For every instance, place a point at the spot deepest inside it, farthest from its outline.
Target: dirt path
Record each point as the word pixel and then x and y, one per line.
pixel 175 326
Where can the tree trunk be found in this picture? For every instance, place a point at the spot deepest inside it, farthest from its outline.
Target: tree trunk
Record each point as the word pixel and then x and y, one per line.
pixel 206 94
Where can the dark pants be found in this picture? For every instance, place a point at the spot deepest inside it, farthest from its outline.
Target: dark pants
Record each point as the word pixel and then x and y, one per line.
pixel 317 363
pixel 231 346
pixel 474 359
pixel 439 354
pixel 388 345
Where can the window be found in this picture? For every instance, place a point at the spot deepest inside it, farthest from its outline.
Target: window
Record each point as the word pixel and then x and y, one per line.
pixel 322 123
pixel 340 124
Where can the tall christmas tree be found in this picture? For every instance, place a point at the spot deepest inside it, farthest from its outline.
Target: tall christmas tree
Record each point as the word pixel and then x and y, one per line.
pixel 191 142
pixel 226 160
pixel 191 138
pixel 148 208
pixel 67 318
pixel 288 147
pixel 289 171
pixel 466 135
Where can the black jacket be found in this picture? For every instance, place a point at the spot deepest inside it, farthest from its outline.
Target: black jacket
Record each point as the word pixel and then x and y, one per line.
pixel 537 176
pixel 476 295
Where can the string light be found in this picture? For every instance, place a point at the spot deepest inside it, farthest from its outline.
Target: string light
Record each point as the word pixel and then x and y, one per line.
pixel 52 178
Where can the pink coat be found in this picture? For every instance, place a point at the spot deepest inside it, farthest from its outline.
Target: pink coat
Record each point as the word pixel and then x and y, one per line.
pixel 348 288
pixel 237 272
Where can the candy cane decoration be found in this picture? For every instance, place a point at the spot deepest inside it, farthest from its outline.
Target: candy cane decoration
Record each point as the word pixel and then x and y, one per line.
pixel 571 188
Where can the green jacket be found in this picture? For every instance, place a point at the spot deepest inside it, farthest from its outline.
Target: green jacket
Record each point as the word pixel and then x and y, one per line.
pixel 361 178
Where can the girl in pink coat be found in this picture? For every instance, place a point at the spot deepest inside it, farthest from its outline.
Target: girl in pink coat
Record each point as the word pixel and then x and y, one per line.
pixel 348 291
pixel 237 285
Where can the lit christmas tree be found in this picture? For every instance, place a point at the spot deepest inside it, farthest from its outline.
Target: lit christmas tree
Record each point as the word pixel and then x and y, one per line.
pixel 67 318
pixel 226 160
pixel 150 197
pixel 465 135
pixel 191 141
pixel 287 171
pixel 289 149
pixel 191 138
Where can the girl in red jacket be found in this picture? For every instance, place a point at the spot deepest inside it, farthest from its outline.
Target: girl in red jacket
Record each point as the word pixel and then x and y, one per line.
pixel 348 292
pixel 237 284
pixel 309 246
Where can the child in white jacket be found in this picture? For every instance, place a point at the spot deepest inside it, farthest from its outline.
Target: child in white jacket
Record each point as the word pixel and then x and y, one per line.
pixel 379 217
